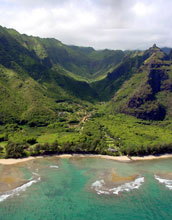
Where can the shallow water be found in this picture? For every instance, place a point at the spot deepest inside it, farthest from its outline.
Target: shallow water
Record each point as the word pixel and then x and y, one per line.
pixel 87 188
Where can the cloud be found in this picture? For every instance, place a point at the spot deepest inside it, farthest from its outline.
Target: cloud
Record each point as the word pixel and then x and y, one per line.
pixel 124 24
pixel 33 3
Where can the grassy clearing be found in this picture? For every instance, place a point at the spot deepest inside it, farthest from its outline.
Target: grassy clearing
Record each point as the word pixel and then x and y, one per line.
pixel 125 134
pixel 135 133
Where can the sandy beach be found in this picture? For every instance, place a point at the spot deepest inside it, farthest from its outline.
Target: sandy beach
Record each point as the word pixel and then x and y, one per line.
pixel 152 157
pixel 11 161
pixel 119 158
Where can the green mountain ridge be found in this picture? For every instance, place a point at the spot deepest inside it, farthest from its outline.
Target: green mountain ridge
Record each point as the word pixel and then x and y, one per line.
pixel 83 98
pixel 30 83
pixel 58 72
pixel 81 61
pixel 147 94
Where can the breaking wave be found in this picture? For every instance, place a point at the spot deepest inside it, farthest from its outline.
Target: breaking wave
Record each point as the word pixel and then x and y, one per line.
pixel 168 183
pixel 52 166
pixel 100 188
pixel 18 190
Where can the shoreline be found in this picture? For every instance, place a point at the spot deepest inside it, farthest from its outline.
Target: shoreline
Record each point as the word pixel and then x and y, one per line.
pixel 12 161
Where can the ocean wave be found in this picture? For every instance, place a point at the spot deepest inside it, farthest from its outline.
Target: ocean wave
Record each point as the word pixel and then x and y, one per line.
pixel 53 166
pixel 168 183
pixel 100 188
pixel 36 174
pixel 18 190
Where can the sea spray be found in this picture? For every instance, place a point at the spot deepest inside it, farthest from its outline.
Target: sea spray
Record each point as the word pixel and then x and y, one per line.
pixel 99 186
pixel 168 183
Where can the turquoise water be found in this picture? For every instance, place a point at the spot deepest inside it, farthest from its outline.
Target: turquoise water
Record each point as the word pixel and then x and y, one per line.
pixel 62 189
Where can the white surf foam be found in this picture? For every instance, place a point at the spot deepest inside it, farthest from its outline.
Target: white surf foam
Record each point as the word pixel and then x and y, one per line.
pixel 128 186
pixel 168 183
pixel 36 174
pixel 18 190
pixel 53 166
pixel 99 186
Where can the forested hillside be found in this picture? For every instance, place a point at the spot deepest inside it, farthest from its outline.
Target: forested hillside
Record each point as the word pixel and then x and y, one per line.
pixel 148 93
pixel 57 98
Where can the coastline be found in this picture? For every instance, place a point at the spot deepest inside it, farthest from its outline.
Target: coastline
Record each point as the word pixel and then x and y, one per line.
pixel 12 161
pixel 151 157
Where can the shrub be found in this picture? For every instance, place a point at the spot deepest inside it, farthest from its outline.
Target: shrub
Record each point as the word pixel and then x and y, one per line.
pixel 15 150
pixel 43 149
pixel 1 149
pixel 3 137
pixel 31 140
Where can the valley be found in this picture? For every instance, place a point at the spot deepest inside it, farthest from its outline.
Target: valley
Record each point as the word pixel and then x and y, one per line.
pixel 57 98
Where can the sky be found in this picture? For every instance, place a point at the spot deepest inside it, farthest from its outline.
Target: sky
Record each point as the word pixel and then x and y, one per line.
pixel 112 24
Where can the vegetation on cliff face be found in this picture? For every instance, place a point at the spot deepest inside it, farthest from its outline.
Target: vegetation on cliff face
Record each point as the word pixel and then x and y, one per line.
pixel 79 62
pixel 53 98
pixel 147 94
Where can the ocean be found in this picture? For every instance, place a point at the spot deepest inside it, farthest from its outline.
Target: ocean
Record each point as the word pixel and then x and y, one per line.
pixel 86 188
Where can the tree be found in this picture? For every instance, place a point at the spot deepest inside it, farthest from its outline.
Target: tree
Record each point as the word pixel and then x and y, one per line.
pixel 15 150
pixel 1 149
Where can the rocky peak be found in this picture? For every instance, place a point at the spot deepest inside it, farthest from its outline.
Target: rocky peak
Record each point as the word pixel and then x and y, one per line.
pixel 154 49
pixel 155 56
